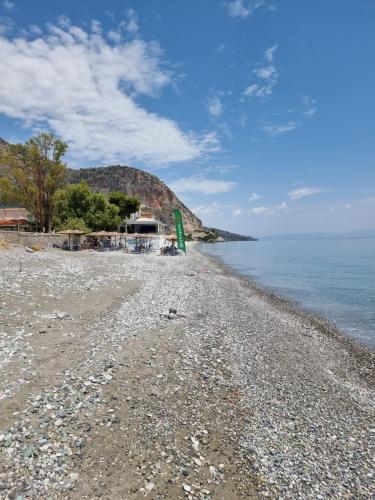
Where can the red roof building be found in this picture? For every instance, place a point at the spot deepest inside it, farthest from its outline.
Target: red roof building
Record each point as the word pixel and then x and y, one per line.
pixel 13 218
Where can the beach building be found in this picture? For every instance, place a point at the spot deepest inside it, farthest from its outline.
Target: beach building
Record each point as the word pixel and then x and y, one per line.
pixel 143 224
pixel 13 219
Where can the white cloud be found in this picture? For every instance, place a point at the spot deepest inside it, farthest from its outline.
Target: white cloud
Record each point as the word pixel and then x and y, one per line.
pixel 296 194
pixel 200 185
pixel 269 53
pixel 6 25
pixel 254 197
pixel 309 105
pixel 127 27
pixel 237 212
pixel 63 21
pixel 259 210
pixel 348 206
pixel 279 209
pixel 8 5
pixel 255 90
pixel 221 169
pixel 35 30
pixel 310 112
pixel 214 106
pixel 237 8
pixel 267 74
pixel 131 22
pixel 115 36
pixel 279 129
pixel 243 8
pixel 84 89
pixel 202 210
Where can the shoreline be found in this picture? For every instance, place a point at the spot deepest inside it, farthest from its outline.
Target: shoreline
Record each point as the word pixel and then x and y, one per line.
pixel 237 395
pixel 361 351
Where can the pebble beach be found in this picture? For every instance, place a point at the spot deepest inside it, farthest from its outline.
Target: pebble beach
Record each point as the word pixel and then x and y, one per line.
pixel 129 376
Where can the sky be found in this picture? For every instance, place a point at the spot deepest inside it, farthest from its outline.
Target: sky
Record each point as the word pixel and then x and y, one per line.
pixel 259 114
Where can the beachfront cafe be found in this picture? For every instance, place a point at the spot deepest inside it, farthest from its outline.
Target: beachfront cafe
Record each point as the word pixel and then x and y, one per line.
pixel 144 224
pixel 144 231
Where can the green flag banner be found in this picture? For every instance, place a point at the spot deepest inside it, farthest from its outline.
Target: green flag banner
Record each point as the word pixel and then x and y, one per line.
pixel 180 230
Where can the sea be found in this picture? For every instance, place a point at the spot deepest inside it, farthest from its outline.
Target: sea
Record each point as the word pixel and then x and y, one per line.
pixel 333 278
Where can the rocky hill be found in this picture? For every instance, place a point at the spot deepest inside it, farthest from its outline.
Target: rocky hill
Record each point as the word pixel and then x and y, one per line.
pixel 154 194
pixel 222 235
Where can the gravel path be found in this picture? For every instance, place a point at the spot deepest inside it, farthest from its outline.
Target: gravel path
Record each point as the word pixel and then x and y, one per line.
pixel 106 394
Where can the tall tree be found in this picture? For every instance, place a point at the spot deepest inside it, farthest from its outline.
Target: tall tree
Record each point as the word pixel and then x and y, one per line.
pixel 72 201
pixel 77 202
pixel 31 175
pixel 102 214
pixel 127 204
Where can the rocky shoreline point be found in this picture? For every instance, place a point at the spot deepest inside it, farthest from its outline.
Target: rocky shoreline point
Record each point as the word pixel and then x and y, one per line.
pixel 132 376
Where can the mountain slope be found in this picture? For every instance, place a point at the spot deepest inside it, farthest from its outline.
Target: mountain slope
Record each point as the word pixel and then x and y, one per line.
pixel 152 192
pixel 228 236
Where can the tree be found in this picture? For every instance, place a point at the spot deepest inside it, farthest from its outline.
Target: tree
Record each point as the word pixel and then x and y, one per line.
pixel 32 173
pixel 75 223
pixel 127 204
pixel 72 201
pixel 77 201
pixel 102 215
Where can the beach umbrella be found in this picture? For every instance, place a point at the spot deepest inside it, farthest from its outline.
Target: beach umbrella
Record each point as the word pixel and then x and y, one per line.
pixel 71 231
pixel 171 237
pixel 76 235
pixel 99 234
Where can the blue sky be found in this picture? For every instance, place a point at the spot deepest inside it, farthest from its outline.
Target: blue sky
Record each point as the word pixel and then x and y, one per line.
pixel 258 113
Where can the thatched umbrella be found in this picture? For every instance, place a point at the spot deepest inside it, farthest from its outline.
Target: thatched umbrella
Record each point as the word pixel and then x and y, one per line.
pixel 99 234
pixel 72 231
pixel 75 234
pixel 114 234
pixel 106 235
pixel 171 237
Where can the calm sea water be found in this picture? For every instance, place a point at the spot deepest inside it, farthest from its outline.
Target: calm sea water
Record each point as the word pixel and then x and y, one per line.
pixel 334 278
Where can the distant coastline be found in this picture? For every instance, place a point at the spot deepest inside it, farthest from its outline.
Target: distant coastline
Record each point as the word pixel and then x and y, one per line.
pixel 215 235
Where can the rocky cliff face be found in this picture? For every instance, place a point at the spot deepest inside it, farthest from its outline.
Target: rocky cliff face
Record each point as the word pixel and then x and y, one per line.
pixel 152 192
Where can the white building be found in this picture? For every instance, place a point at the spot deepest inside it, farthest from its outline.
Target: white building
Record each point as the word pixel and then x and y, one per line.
pixel 144 224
